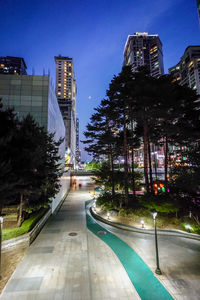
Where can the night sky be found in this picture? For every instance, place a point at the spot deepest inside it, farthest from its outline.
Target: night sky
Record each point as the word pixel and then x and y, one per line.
pixel 93 33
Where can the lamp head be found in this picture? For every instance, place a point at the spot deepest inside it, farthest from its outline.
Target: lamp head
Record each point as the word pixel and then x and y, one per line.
pixel 154 213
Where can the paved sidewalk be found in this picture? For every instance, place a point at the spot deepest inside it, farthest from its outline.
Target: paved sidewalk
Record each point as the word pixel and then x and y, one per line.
pixel 63 266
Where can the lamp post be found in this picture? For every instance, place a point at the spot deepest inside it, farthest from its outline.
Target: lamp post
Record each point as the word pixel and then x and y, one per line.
pixel 157 271
pixel 1 227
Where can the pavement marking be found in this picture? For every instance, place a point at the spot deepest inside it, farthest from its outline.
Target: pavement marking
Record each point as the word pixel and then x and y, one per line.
pixel 142 278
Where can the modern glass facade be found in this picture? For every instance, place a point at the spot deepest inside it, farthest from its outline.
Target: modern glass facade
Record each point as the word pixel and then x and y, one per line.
pixel 35 95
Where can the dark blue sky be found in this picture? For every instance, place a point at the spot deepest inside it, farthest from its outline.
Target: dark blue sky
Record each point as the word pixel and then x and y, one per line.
pixel 94 33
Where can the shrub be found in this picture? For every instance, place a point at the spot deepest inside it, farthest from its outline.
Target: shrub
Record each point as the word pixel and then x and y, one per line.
pixel 26 226
pixel 161 203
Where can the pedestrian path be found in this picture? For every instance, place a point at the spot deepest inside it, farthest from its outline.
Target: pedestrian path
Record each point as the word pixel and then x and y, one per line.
pixel 69 262
pixel 146 284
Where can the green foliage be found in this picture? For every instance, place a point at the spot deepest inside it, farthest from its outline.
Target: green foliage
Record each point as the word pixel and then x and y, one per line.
pixel 26 226
pixel 8 180
pixel 161 203
pixel 29 163
pixel 107 201
pixel 104 176
pixel 36 164
pixel 165 219
pixel 184 180
pixel 193 228
pixel 93 166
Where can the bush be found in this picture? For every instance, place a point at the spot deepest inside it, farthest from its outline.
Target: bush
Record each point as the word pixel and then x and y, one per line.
pixel 162 203
pixel 26 226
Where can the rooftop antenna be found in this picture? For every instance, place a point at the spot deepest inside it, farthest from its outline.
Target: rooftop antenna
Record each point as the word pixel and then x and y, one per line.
pixel 43 71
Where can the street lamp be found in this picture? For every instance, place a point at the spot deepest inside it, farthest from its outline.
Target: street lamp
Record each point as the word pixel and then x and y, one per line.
pixel 1 227
pixel 154 214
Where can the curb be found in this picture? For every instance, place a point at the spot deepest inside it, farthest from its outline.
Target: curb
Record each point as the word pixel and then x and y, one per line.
pixel 146 231
pixel 27 238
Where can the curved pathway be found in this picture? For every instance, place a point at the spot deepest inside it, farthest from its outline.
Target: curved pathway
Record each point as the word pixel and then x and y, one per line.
pixel 146 284
pixel 60 265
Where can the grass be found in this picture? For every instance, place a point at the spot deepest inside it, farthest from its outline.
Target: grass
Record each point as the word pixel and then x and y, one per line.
pixel 26 226
pixel 133 216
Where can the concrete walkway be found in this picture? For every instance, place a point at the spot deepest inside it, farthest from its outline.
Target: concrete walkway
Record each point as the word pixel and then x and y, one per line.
pixel 67 261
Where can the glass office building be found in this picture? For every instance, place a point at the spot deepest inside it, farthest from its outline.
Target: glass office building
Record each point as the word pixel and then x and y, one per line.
pixel 35 95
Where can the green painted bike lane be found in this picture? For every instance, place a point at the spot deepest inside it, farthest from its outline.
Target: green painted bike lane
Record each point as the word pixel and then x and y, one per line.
pixel 143 279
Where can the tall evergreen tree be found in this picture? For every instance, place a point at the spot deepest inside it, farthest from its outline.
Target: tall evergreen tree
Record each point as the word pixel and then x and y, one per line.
pixel 8 181
pixel 36 165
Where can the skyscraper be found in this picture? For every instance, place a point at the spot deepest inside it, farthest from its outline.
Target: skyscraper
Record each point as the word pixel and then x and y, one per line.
pixel 66 95
pixel 12 65
pixel 144 49
pixel 187 71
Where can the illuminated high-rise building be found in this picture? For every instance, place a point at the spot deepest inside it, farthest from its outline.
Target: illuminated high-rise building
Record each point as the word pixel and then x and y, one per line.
pixel 187 71
pixel 12 65
pixel 144 49
pixel 66 95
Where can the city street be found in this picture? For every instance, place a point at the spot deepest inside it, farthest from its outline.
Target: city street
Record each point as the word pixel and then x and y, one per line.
pixel 68 261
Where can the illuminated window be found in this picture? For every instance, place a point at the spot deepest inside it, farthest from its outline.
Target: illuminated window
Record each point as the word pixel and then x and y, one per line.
pixel 191 64
pixel 70 74
pixel 59 93
pixel 2 65
pixel 59 84
pixel 70 65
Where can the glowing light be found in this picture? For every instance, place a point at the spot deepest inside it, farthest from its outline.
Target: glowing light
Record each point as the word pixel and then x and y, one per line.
pixel 141 33
pixel 154 215
pixel 142 222
pixel 188 227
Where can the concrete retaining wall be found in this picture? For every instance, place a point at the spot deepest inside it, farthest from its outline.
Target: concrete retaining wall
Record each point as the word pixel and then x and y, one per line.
pixel 26 239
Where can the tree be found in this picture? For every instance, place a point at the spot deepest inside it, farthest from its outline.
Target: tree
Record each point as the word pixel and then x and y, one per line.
pixel 119 98
pixel 8 181
pixel 100 136
pixel 177 117
pixel 184 180
pixel 36 165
